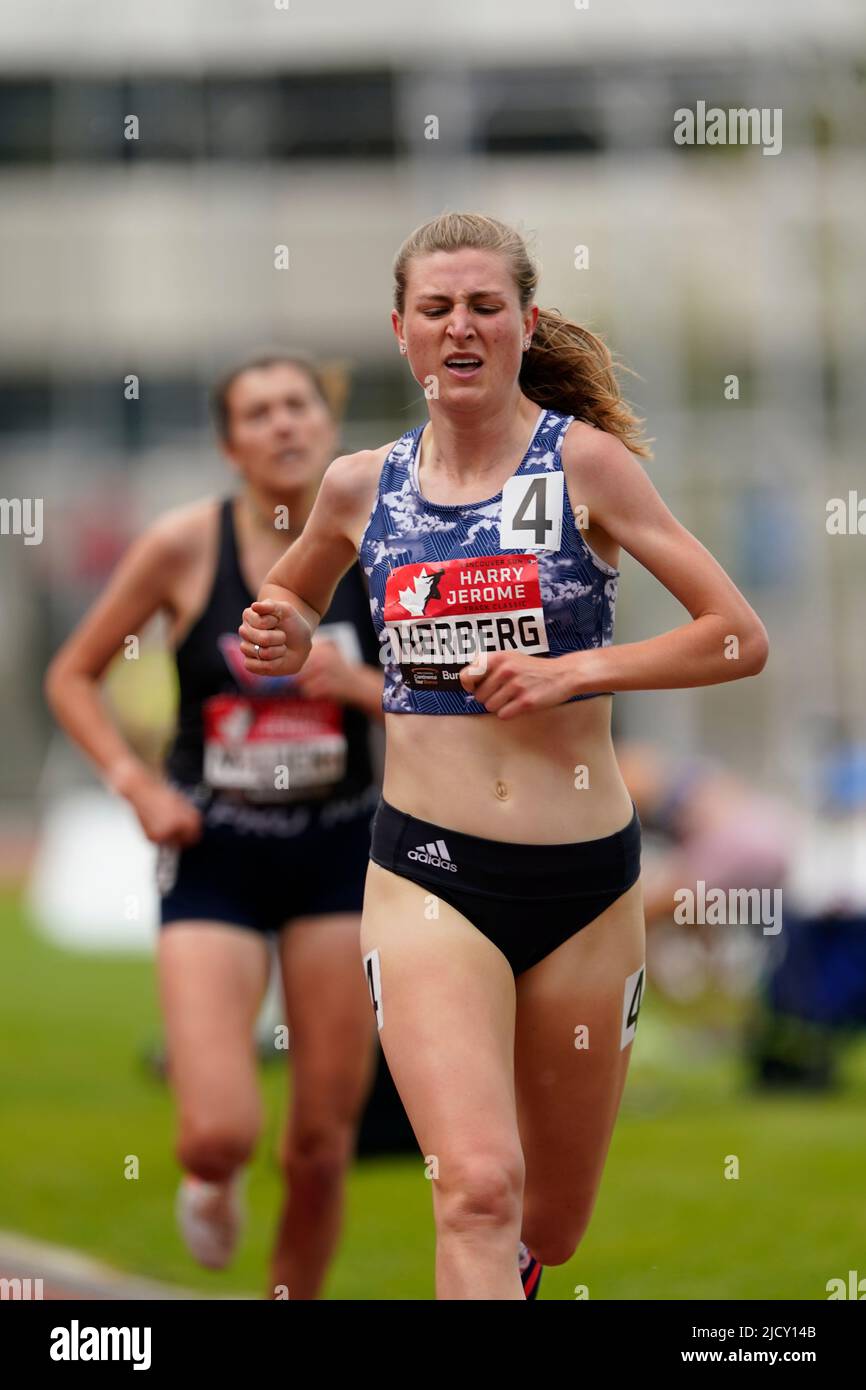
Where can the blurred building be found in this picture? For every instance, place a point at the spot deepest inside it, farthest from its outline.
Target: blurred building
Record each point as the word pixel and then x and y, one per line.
pixel 309 126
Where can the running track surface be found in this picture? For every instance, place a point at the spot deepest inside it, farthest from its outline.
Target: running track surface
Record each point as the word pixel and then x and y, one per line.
pixel 67 1274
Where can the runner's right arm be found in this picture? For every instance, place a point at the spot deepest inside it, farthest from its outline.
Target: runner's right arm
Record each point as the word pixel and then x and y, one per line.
pixel 300 587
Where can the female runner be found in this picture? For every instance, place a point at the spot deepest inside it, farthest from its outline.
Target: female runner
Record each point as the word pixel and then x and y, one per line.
pixel 263 823
pixel 503 931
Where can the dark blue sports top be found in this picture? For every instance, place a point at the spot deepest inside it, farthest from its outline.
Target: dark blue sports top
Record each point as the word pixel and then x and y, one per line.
pixel 511 573
pixel 235 729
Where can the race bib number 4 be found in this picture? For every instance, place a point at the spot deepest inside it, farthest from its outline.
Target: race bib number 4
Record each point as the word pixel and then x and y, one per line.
pixel 273 748
pixel 532 511
pixel 440 614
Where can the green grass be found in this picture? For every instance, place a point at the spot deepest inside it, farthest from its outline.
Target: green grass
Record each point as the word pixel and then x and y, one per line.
pixel 77 1098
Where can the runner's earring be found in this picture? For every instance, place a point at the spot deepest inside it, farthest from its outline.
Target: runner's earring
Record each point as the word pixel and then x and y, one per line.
pixel 403 347
pixel 526 343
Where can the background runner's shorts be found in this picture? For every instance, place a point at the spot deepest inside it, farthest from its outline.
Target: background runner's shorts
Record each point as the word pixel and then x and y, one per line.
pixel 526 899
pixel 261 880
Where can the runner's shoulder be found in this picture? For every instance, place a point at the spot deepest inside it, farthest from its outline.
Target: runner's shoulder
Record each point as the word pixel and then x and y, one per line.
pixel 351 473
pixel 182 535
pixel 350 481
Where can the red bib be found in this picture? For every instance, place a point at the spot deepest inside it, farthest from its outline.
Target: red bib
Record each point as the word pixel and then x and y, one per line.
pixel 440 614
pixel 273 747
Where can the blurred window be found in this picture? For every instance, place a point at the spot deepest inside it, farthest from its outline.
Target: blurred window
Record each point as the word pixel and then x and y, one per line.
pixel 544 111
pixel 25 122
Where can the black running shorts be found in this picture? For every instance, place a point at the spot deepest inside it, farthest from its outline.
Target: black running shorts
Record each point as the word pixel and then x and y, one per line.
pixel 526 899
pixel 245 872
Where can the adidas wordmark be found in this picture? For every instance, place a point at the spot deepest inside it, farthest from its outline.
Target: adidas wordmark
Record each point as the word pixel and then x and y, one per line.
pixel 435 853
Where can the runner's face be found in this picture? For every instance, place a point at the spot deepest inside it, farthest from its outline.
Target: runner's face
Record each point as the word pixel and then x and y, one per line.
pixel 281 434
pixel 463 304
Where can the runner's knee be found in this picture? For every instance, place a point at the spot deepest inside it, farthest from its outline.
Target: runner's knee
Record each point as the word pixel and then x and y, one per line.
pixel 554 1238
pixel 214 1149
pixel 317 1154
pixel 486 1188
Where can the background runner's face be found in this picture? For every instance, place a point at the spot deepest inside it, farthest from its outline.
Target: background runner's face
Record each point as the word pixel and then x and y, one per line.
pixel 281 434
pixel 463 302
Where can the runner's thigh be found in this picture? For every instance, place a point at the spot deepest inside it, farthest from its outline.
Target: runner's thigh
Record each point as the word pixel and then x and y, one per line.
pixel 447 1015
pixel 571 1064
pixel 212 979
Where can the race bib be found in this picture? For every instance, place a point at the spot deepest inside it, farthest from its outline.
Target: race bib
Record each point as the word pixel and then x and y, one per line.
pixel 532 511
pixel 440 614
pixel 273 748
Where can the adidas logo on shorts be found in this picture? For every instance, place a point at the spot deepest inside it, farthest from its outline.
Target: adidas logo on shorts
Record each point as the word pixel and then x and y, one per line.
pixel 435 853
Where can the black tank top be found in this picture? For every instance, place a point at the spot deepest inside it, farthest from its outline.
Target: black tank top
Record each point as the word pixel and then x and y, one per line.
pixel 256 738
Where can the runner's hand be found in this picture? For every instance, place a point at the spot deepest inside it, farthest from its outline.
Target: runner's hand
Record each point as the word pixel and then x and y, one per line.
pixel 281 634
pixel 512 683
pixel 326 675
pixel 166 816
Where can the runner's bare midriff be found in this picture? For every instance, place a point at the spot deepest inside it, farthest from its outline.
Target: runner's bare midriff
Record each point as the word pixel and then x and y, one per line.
pixel 518 779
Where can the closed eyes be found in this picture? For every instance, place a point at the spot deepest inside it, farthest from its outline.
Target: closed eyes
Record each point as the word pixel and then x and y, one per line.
pixel 479 308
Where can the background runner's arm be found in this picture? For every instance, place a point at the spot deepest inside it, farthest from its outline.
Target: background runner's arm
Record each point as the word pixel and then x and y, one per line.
pixel 137 589
pixel 367 695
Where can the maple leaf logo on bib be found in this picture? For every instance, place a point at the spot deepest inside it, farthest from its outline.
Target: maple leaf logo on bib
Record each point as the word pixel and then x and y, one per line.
pixel 425 586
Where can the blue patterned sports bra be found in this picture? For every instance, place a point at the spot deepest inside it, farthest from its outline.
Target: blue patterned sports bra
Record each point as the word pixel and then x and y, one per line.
pixel 511 573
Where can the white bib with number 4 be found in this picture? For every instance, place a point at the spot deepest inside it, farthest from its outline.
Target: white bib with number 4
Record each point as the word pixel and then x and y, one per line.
pixel 532 512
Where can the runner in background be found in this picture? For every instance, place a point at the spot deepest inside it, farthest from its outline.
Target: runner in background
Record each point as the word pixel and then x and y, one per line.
pixel 713 829
pixel 263 823
pixel 812 1002
pixel 720 829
